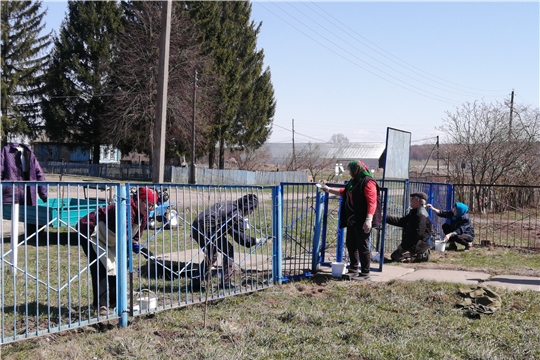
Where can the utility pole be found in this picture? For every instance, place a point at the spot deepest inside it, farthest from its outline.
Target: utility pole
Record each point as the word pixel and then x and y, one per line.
pixel 192 165
pixel 158 153
pixel 511 113
pixel 293 152
pixel 438 154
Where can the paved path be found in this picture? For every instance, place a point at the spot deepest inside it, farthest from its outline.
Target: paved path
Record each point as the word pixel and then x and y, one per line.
pixel 396 272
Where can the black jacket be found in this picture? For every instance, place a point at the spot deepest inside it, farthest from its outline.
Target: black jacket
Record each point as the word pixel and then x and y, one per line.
pixel 416 227
pixel 354 206
pixel 226 218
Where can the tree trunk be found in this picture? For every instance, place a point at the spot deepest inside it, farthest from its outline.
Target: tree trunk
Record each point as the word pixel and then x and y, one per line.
pixel 211 155
pixel 96 153
pixel 221 154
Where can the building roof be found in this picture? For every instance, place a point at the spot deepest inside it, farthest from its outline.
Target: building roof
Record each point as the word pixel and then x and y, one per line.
pixel 370 153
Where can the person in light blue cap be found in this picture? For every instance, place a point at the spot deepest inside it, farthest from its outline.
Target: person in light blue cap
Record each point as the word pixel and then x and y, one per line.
pixel 459 229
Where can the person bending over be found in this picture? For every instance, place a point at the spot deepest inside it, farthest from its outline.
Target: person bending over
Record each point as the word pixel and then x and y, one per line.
pixel 211 227
pixel 98 236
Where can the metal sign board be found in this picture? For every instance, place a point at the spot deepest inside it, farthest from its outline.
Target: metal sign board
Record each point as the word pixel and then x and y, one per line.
pixel 398 148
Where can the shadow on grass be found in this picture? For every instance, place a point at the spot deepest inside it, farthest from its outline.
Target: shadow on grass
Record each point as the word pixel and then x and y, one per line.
pixel 45 238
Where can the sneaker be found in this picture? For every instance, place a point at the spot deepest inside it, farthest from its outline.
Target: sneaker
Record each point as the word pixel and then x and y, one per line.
pixel 468 246
pixel 405 257
pixel 451 246
pixel 352 270
pixel 364 277
pixel 104 311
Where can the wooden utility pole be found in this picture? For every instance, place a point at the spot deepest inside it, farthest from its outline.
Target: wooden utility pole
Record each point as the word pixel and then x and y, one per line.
pixel 192 179
pixel 293 151
pixel 511 113
pixel 158 153
pixel 438 154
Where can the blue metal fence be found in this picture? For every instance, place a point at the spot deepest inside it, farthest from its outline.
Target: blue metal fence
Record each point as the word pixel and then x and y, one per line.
pixel 57 275
pixel 48 270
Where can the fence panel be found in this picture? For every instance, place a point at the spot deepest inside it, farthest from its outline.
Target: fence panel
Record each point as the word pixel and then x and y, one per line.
pixel 503 215
pixel 333 238
pixel 299 211
pixel 106 171
pixel 440 196
pixel 183 259
pixel 44 273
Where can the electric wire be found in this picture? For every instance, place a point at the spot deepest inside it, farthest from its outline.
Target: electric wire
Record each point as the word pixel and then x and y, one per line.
pixel 394 56
pixel 463 93
pixel 440 98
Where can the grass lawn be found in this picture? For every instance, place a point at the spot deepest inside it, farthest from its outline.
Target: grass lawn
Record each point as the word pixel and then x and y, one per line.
pixel 322 318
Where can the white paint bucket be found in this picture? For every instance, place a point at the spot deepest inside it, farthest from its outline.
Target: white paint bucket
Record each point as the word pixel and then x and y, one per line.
pixel 145 300
pixel 338 269
pixel 440 245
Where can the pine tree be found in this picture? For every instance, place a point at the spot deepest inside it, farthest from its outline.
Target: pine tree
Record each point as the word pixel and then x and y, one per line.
pixel 136 74
pixel 246 104
pixel 78 82
pixel 24 60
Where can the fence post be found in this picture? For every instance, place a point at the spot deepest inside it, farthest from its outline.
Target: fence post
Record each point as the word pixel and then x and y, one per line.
pixel 324 227
pixel 277 230
pixel 317 235
pixel 340 237
pixel 383 227
pixel 121 254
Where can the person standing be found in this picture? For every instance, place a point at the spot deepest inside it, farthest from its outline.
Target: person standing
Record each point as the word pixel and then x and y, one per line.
pixel 459 230
pixel 358 214
pixel 417 230
pixel 98 236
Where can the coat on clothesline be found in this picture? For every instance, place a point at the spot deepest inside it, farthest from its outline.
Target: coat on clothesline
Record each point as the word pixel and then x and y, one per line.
pixel 11 169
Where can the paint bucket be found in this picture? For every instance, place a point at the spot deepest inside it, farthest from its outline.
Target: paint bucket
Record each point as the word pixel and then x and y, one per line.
pixel 440 245
pixel 338 269
pixel 145 300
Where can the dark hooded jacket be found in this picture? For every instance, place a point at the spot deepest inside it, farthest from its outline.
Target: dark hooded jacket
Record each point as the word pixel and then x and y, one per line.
pixel 461 223
pixel 226 218
pixel 417 229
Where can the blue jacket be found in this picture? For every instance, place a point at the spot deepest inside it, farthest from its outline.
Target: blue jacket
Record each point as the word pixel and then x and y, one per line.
pixel 461 223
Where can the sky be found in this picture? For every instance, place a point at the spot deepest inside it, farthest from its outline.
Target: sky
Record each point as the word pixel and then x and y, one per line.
pixel 356 68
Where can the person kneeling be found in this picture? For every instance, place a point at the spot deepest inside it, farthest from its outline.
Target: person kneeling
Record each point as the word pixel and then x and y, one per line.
pixel 417 230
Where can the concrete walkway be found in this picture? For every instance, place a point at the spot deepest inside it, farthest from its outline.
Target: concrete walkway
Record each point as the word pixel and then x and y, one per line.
pixel 396 272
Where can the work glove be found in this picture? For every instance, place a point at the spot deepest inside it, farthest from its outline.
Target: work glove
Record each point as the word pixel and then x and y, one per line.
pixel 448 236
pixel 367 226
pixel 258 241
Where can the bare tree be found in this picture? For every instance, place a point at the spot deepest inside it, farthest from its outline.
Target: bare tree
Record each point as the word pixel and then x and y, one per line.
pixel 485 148
pixel 311 158
pixel 339 139
pixel 251 159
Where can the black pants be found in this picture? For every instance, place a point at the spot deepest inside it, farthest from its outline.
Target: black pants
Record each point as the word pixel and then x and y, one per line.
pixel 417 252
pixel 357 242
pixel 462 239
pixel 211 246
pixel 103 286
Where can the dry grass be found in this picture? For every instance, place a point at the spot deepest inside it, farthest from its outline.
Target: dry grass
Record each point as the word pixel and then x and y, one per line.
pixel 325 319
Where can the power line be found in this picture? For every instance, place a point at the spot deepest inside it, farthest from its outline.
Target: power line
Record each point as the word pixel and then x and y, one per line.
pixel 463 93
pixel 297 133
pixel 408 64
pixel 440 98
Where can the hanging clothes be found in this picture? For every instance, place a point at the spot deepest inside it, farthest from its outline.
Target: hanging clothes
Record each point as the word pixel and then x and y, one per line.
pixel 18 163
